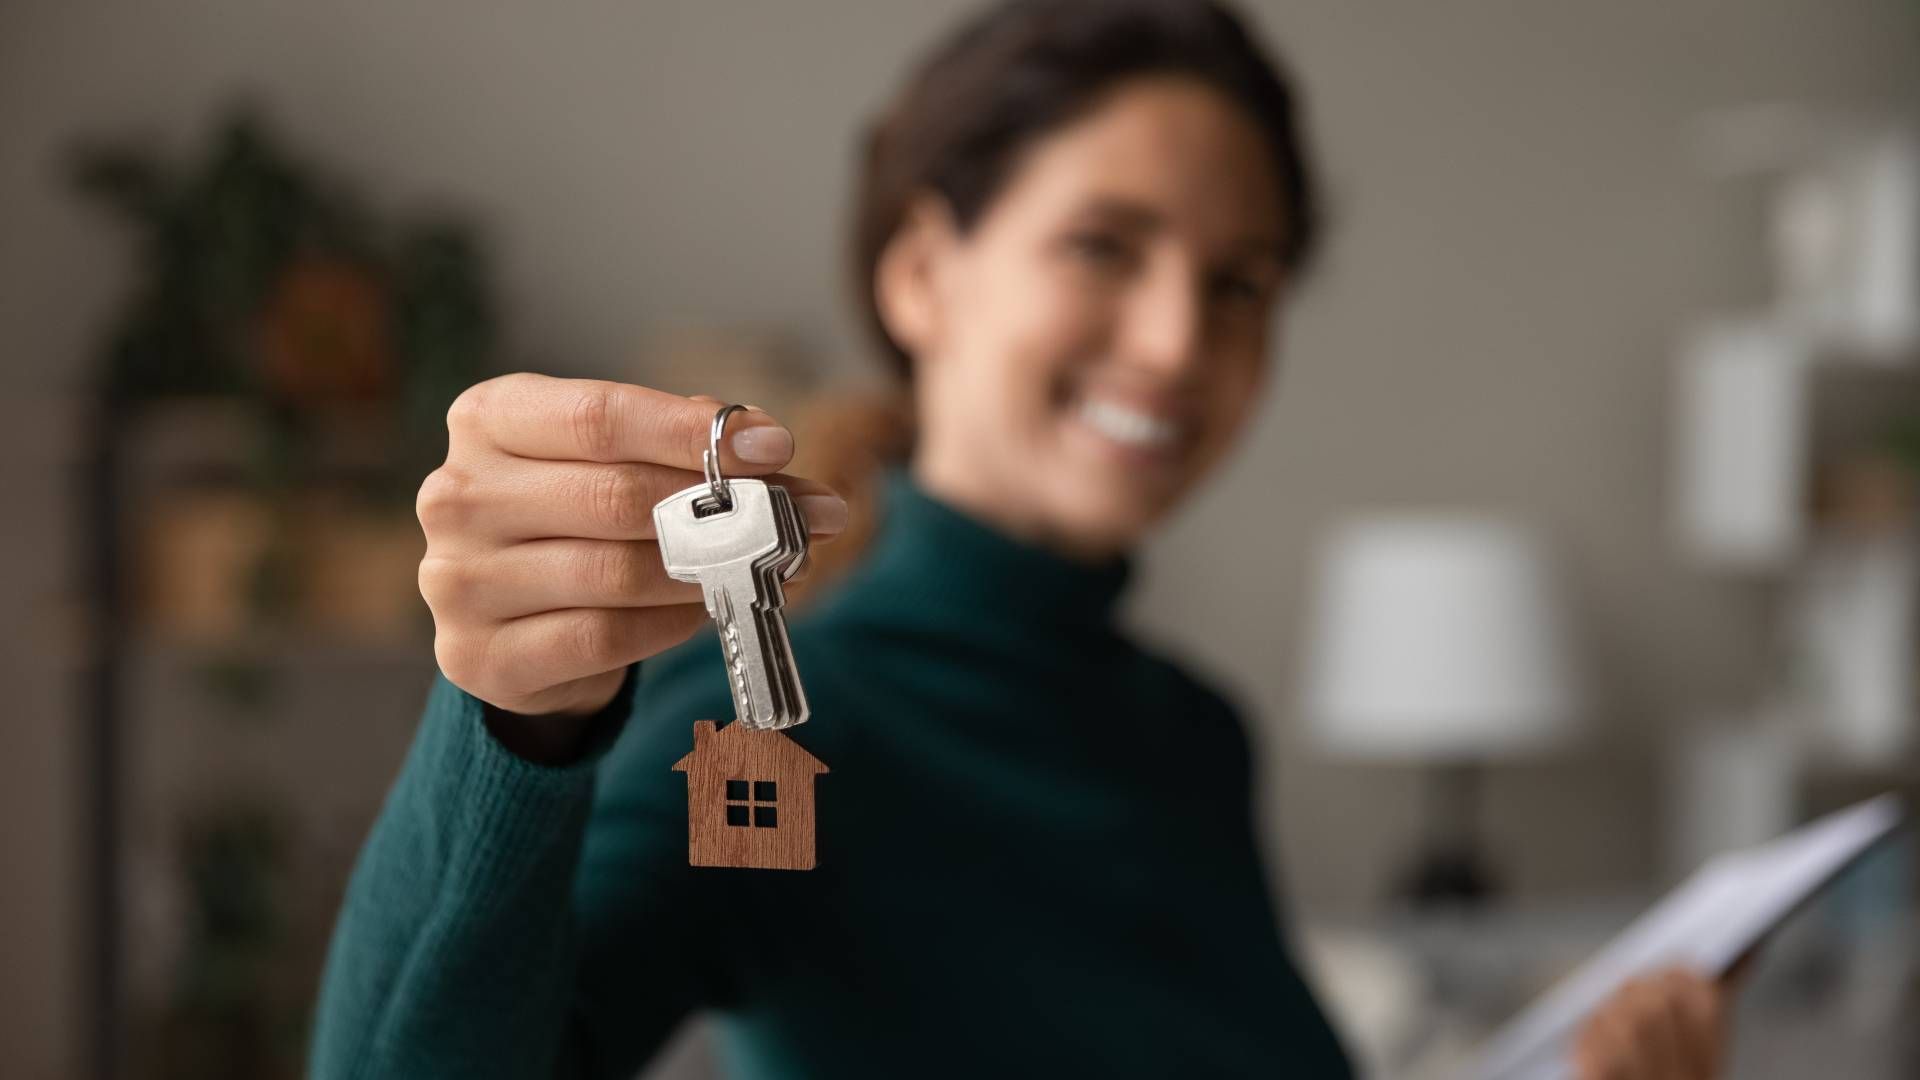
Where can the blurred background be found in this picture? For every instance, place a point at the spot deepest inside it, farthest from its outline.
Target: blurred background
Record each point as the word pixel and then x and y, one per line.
pixel 1596 438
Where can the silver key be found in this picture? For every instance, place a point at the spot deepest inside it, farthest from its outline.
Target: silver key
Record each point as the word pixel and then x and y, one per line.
pixel 739 554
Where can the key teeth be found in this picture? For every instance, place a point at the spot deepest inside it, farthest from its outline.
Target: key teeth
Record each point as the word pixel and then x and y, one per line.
pixel 733 655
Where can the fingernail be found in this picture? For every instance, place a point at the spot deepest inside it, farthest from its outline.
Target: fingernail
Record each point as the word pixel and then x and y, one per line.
pixel 823 513
pixel 764 444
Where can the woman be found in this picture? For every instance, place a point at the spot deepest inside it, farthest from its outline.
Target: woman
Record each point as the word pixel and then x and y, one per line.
pixel 1036 852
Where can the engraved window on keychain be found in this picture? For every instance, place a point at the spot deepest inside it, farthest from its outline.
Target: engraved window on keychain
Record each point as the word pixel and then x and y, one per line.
pixel 764 813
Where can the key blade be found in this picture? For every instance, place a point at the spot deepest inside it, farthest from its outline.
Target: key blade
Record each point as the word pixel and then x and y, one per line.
pixel 743 651
pixel 739 555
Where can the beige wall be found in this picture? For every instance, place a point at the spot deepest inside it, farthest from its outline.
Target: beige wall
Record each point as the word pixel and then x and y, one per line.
pixel 1519 232
pixel 1522 226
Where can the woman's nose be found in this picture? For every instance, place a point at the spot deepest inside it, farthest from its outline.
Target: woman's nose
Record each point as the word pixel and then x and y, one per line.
pixel 1165 324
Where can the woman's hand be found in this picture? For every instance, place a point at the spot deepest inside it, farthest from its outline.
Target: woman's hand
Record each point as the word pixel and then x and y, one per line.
pixel 1670 1026
pixel 541 569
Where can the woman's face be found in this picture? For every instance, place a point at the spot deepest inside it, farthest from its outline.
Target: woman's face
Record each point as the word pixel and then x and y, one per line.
pixel 1086 352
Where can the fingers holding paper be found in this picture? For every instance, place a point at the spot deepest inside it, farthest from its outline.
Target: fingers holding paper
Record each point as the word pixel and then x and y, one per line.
pixel 1668 1026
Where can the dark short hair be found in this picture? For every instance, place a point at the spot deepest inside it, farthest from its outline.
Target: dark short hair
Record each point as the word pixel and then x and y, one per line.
pixel 1023 68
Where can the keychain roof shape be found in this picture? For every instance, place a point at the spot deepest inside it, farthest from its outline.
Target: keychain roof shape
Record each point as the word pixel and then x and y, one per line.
pixel 749 798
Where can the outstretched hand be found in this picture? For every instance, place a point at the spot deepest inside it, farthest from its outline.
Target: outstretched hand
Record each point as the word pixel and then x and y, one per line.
pixel 542 569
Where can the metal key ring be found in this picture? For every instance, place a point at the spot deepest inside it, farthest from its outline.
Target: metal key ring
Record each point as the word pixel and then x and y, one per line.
pixel 710 458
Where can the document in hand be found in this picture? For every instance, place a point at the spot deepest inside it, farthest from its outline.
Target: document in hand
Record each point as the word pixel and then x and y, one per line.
pixel 1707 924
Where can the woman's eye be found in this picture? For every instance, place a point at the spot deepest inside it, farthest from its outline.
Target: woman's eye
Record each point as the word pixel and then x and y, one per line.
pixel 1239 288
pixel 1099 248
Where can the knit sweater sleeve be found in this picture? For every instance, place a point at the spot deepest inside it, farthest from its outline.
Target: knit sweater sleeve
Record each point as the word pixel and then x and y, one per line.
pixel 475 938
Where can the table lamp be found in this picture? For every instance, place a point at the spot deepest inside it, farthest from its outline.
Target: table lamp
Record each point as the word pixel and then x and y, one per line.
pixel 1439 639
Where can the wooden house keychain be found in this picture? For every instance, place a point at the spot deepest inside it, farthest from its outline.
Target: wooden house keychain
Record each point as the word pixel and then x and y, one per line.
pixel 749 788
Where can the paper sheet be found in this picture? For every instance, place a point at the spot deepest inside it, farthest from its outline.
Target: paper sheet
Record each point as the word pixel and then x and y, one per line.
pixel 1706 924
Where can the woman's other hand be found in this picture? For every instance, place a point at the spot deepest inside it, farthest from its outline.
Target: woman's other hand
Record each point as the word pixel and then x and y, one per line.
pixel 1670 1026
pixel 542 569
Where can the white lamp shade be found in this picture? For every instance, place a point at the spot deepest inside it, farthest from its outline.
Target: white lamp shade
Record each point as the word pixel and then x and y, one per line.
pixel 1436 637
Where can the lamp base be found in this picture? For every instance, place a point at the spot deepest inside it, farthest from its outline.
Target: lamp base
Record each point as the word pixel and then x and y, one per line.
pixel 1448 877
pixel 1449 870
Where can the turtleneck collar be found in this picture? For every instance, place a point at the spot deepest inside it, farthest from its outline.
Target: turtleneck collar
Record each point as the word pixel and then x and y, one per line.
pixel 929 552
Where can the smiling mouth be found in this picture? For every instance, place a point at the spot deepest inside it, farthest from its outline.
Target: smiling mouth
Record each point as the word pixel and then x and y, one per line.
pixel 1132 428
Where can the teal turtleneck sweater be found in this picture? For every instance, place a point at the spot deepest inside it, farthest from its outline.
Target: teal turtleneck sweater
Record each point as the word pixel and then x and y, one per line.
pixel 1036 857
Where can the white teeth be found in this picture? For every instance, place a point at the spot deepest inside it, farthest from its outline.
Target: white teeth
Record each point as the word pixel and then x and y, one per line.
pixel 1129 426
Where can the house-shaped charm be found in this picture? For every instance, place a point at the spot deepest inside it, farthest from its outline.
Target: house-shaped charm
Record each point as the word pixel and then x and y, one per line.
pixel 749 798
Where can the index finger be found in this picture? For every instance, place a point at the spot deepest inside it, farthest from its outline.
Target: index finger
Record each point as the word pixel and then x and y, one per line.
pixel 539 416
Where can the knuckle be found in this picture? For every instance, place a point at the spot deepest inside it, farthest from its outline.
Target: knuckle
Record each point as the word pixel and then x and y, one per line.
pixel 596 635
pixel 617 499
pixel 431 578
pixel 446 584
pixel 615 572
pixel 458 656
pixel 469 408
pixel 595 419
pixel 441 504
